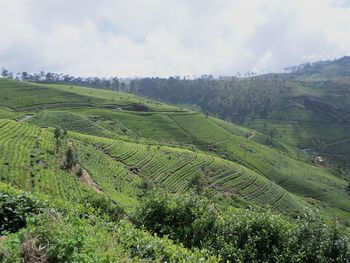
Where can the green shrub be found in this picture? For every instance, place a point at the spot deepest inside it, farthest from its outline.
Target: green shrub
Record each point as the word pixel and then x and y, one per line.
pixel 243 235
pixel 188 218
pixel 14 211
pixel 141 244
pixel 105 206
pixel 71 157
pixel 249 237
pixel 62 235
pixel 197 183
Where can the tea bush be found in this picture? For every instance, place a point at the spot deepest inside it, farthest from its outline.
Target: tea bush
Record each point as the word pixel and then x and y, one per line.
pixel 13 211
pixel 188 218
pixel 60 233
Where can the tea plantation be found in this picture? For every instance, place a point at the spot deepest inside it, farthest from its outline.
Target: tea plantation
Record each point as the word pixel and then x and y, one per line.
pixel 93 175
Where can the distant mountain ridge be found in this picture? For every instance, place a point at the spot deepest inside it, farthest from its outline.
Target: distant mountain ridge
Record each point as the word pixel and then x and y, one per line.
pixel 322 69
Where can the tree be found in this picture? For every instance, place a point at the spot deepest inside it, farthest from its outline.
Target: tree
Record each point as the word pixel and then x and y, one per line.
pixel 197 183
pixel 4 72
pixel 24 76
pixel 58 136
pixel 347 189
pixel 71 157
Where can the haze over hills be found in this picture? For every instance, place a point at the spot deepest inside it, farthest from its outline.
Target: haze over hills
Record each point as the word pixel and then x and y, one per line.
pixel 121 162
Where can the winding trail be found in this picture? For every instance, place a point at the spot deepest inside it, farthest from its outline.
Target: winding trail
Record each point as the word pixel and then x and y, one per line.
pixel 251 136
pixel 327 145
pixel 25 117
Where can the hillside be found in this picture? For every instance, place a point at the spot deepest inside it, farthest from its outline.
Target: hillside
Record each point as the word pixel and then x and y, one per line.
pixel 159 124
pixel 322 70
pixel 125 146
pixel 304 109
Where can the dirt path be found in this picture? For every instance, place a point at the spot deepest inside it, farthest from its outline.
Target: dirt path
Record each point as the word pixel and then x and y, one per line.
pixel 327 145
pixel 335 143
pixel 25 117
pixel 251 136
pixel 85 178
pixel 219 142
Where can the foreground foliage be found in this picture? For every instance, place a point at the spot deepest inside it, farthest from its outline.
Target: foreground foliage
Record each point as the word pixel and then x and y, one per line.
pixel 58 231
pixel 164 228
pixel 240 235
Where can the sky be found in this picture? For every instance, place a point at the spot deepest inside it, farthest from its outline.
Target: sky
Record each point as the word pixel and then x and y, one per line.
pixel 128 38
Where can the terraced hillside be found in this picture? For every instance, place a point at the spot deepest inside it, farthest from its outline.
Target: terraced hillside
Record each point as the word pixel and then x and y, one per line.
pixel 69 121
pixel 315 118
pixel 29 162
pixel 173 168
pixel 306 109
pixel 135 138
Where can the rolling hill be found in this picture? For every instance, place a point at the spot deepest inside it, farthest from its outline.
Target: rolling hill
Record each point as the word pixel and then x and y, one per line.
pixel 306 109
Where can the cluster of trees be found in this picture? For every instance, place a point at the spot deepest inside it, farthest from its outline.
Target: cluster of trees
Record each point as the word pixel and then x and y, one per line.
pixel 112 83
pixel 229 98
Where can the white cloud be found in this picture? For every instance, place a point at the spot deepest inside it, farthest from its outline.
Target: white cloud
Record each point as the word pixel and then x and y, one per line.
pixel 170 37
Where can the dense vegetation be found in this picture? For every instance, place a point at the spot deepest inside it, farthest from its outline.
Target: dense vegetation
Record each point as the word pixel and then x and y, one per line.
pixel 58 231
pixel 243 236
pixel 322 69
pixel 231 98
pixel 44 229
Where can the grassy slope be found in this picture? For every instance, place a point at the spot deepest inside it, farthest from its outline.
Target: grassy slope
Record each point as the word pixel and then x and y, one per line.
pixel 35 97
pixel 209 135
pixel 157 126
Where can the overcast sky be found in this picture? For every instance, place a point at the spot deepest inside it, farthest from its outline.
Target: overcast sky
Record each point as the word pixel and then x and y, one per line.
pixel 170 37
